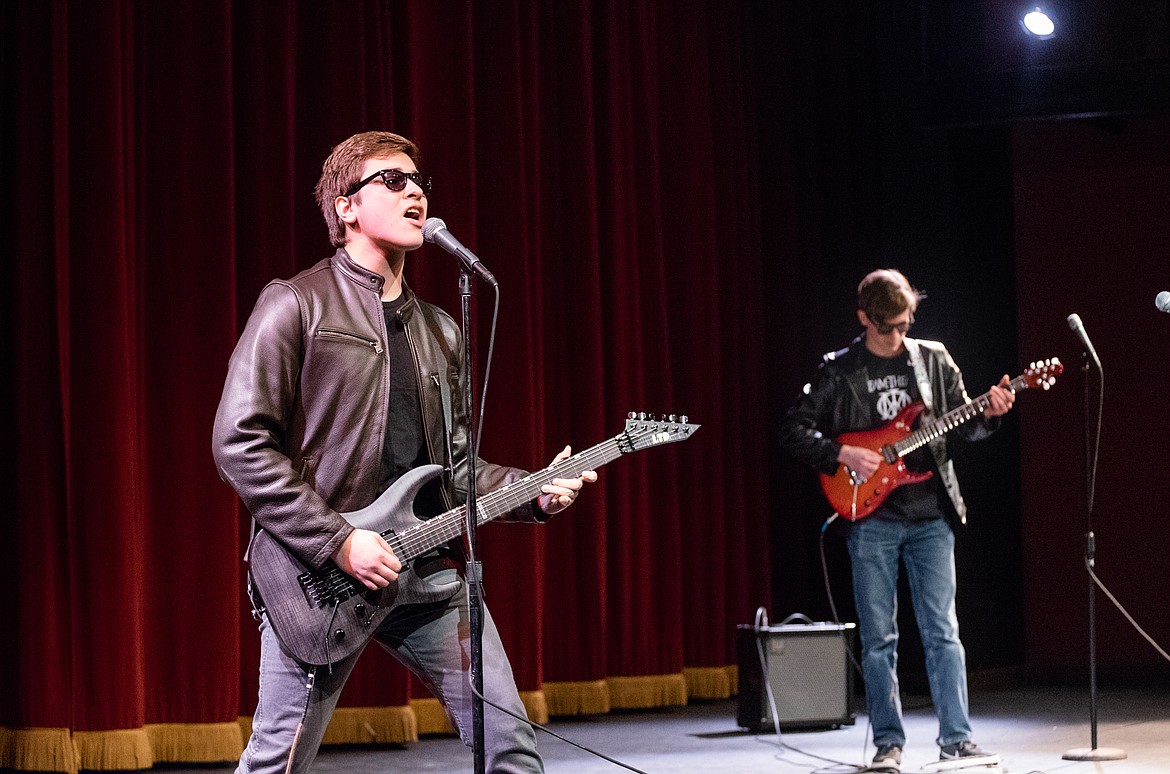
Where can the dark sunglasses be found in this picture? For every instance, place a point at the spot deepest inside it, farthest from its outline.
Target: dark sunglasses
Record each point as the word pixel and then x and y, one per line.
pixel 885 329
pixel 395 180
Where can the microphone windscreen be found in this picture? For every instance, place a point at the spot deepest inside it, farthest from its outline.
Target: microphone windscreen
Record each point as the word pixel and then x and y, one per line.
pixel 432 227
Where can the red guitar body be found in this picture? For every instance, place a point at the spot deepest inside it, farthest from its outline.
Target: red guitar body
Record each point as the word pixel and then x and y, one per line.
pixel 855 499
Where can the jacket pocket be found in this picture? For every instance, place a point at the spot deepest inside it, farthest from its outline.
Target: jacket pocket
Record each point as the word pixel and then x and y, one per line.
pixel 345 337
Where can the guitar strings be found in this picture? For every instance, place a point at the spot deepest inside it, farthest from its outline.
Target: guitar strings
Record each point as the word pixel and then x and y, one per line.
pixel 335 584
pixel 449 525
pixel 947 422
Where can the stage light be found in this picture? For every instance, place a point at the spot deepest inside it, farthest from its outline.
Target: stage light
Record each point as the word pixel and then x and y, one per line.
pixel 1038 23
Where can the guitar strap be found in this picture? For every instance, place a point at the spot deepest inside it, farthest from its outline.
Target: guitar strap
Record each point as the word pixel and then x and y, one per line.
pixel 920 374
pixel 938 445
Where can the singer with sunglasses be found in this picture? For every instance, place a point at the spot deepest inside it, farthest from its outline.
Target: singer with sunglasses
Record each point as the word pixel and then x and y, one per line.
pixel 342 382
pixel 860 388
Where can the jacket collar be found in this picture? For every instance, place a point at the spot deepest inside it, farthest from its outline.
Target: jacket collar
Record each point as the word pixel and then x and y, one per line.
pixel 370 279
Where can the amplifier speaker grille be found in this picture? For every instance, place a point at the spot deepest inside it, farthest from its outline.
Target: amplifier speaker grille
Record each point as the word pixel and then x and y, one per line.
pixel 807 666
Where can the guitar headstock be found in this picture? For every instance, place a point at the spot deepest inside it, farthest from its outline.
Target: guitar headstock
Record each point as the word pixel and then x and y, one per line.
pixel 1042 373
pixel 646 430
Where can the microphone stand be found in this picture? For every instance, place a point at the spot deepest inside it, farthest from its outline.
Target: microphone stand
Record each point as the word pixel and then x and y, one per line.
pixel 1092 753
pixel 474 592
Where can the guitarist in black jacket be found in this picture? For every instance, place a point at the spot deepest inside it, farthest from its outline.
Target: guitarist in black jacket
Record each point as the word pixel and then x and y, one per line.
pixel 343 382
pixel 860 388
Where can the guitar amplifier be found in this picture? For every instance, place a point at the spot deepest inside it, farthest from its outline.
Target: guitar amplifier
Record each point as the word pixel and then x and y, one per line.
pixel 808 669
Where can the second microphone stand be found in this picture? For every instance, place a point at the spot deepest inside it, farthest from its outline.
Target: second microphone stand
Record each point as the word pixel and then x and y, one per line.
pixel 1092 753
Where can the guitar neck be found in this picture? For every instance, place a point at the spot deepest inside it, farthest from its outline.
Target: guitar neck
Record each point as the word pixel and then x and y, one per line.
pixel 951 420
pixel 420 539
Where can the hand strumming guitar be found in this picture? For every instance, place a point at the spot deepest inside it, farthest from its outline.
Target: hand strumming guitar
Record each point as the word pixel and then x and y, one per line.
pixel 864 462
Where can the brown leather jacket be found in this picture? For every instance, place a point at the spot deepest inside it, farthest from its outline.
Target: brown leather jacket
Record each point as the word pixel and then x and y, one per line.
pixel 300 425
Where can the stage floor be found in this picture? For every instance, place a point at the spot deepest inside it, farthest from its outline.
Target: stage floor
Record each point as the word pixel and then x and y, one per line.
pixel 1030 728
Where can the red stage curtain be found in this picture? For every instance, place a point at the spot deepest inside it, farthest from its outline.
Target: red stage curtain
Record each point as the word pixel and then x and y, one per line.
pixel 160 159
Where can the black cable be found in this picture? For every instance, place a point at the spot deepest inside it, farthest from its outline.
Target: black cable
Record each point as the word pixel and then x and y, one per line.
pixel 829 593
pixel 1161 651
pixel 837 620
pixel 761 623
pixel 550 732
pixel 475 450
pixel 487 373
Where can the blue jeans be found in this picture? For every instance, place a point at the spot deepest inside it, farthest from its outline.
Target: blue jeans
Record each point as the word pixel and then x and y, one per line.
pixel 928 551
pixel 433 641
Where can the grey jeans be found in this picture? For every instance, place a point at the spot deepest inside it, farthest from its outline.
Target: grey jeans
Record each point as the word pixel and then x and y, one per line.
pixel 433 641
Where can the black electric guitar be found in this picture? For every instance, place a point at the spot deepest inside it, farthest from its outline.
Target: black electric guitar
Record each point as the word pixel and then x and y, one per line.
pixel 321 616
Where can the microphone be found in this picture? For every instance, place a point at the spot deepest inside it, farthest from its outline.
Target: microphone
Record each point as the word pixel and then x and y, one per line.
pixel 1162 301
pixel 435 231
pixel 1074 322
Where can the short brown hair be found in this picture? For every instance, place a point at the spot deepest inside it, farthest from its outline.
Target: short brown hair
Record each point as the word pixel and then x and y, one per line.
pixel 886 293
pixel 343 168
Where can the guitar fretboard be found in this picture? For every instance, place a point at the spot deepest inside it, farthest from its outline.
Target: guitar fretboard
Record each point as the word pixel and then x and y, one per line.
pixel 952 419
pixel 331 583
pixel 421 538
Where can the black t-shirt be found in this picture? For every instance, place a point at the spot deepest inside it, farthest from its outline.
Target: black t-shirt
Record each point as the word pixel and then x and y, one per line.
pixel 404 446
pixel 890 387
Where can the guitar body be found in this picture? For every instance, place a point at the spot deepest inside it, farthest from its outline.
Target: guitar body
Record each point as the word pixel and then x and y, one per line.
pixel 322 633
pixel 853 498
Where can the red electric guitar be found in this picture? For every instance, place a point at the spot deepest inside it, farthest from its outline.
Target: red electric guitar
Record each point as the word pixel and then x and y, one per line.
pixel 854 497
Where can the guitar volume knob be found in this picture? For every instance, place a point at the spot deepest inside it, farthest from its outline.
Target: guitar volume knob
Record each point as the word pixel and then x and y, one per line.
pixel 339 635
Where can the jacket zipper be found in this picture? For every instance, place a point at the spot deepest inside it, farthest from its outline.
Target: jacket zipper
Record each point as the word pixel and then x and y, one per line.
pixel 351 338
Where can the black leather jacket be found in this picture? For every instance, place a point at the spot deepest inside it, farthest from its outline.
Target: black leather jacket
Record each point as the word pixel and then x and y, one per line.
pixel 832 404
pixel 300 425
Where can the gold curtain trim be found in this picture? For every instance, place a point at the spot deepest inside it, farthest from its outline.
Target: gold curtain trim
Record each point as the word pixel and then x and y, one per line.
pixel 120 749
pixel 195 742
pixel 733 678
pixel 245 724
pixel 372 725
pixel 707 682
pixel 431 717
pixel 573 698
pixel 535 705
pixel 59 750
pixel 38 749
pixel 647 691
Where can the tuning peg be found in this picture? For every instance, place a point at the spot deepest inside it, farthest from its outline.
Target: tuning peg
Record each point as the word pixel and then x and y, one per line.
pixel 684 419
pixel 642 415
pixel 673 418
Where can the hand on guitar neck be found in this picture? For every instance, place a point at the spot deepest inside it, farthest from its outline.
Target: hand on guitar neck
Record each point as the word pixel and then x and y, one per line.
pixel 1000 398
